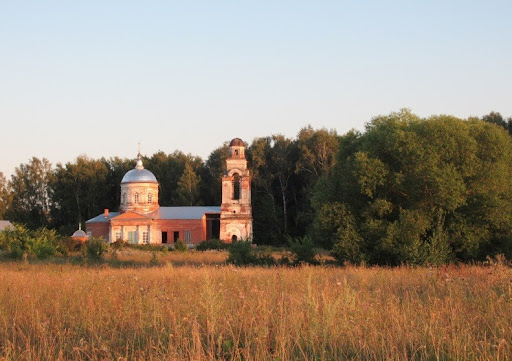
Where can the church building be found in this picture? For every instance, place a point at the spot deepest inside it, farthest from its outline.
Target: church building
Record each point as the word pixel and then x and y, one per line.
pixel 141 220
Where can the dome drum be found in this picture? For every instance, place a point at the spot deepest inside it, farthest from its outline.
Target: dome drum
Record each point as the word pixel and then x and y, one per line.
pixel 139 190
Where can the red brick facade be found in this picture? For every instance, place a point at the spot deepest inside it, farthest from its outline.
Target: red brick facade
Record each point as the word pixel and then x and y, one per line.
pixel 141 220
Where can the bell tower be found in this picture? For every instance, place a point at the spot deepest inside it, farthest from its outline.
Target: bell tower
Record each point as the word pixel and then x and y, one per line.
pixel 236 210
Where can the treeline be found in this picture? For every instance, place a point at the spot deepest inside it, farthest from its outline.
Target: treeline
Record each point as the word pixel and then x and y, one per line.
pixel 284 175
pixel 407 189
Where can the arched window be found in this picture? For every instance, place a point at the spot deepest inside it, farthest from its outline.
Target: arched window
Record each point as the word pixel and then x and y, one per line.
pixel 136 198
pixel 234 238
pixel 236 186
pixel 123 201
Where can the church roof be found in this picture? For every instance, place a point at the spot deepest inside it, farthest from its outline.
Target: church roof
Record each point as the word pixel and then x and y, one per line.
pixel 184 212
pixel 101 218
pixel 132 216
pixel 79 234
pixel 237 142
pixel 139 174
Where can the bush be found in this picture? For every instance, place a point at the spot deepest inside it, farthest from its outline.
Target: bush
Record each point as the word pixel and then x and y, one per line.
pixel 68 245
pixel 41 247
pixel 95 248
pixel 303 250
pixel 213 244
pixel 180 246
pixel 119 244
pixel 18 241
pixel 154 260
pixel 13 239
pixel 242 253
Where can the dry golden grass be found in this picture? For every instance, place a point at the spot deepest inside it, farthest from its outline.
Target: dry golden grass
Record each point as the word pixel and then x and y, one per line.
pixel 67 312
pixel 190 257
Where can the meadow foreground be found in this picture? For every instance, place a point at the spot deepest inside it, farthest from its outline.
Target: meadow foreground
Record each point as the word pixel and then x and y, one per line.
pixel 68 312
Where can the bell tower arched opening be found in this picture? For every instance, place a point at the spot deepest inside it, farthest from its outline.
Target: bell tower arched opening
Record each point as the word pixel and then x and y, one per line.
pixel 236 186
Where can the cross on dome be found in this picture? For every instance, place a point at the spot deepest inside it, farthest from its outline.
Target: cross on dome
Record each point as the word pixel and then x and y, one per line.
pixel 139 160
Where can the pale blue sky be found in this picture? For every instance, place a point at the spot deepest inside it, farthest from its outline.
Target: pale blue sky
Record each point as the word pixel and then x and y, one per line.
pixel 94 77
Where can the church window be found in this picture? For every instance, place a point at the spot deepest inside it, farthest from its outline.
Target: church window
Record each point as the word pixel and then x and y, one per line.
pixel 188 236
pixel 150 198
pixel 136 198
pixel 124 198
pixel 131 237
pixel 145 237
pixel 236 152
pixel 236 187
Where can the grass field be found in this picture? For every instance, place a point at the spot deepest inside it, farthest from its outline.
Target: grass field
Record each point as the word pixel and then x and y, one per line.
pixel 213 311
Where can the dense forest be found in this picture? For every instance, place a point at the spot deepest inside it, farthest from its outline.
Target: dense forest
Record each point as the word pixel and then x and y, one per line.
pixel 407 189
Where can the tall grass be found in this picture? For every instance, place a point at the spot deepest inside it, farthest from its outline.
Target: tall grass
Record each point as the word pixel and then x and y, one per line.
pixel 193 257
pixel 66 312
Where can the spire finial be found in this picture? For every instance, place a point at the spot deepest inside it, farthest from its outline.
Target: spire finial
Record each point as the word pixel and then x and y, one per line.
pixel 138 153
pixel 139 160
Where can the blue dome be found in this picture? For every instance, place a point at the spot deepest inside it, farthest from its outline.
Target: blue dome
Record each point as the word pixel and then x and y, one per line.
pixel 139 175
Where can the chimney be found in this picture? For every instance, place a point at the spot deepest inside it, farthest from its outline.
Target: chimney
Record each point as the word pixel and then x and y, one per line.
pixel 106 212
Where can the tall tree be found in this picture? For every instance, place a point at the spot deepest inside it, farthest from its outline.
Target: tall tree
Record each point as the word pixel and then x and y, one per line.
pixel 116 169
pixel 32 194
pixel 168 169
pixel 210 175
pixel 5 196
pixel 80 191
pixel 272 161
pixel 317 151
pixel 188 187
pixel 316 158
pixel 497 118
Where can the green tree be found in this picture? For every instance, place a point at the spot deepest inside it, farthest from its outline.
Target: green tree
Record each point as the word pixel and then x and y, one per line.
pixel 80 192
pixel 272 161
pixel 188 187
pixel 210 174
pixel 5 196
pixel 317 151
pixel 31 193
pixel 168 168
pixel 116 169
pixel 316 158
pixel 420 190
pixel 499 120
